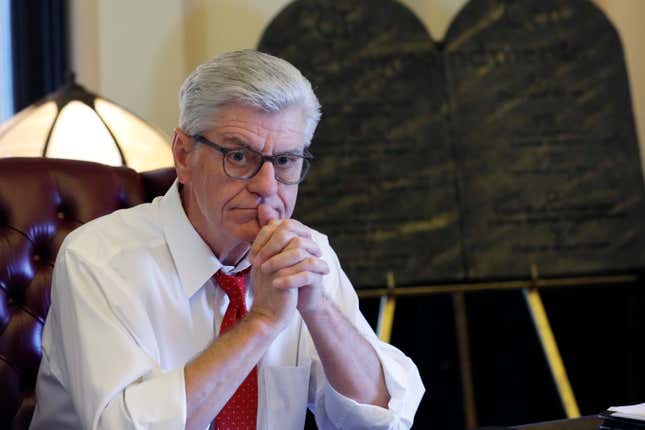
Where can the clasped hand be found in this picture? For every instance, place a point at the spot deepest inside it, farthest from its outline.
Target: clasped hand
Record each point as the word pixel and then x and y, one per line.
pixel 286 271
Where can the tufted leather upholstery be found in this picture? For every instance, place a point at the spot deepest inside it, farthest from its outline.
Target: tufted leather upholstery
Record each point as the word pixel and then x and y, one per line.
pixel 41 201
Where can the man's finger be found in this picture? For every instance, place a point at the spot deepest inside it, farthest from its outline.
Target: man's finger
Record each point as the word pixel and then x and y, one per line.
pixel 305 243
pixel 284 259
pixel 297 280
pixel 267 214
pixel 279 239
pixel 285 277
pixel 263 236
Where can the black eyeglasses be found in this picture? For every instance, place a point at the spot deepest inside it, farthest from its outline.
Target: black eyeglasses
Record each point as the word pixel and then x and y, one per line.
pixel 245 163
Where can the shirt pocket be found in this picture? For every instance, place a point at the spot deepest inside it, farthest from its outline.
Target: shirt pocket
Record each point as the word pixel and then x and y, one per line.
pixel 285 397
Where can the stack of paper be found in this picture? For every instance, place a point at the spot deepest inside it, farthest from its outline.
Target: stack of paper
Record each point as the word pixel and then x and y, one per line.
pixel 630 417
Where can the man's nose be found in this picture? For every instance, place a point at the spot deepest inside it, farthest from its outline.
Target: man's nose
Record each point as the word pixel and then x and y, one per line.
pixel 264 182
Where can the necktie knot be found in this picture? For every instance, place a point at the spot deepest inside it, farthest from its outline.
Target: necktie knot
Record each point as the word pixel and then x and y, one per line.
pixel 234 286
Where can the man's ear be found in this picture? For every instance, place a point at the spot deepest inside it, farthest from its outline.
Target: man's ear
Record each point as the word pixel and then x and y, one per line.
pixel 182 149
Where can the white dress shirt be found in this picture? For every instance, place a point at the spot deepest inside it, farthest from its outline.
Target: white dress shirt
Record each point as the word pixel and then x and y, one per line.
pixel 133 302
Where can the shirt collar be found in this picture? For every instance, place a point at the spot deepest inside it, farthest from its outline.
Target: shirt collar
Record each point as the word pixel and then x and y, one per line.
pixel 193 258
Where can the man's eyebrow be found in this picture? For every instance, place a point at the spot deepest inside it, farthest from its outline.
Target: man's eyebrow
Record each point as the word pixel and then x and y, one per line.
pixel 295 151
pixel 236 141
pixel 231 140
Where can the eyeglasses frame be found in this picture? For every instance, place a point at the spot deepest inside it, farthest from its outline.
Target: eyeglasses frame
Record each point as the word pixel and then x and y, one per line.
pixel 306 155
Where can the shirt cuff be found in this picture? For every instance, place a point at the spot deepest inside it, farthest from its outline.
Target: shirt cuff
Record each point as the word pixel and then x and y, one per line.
pixel 404 386
pixel 347 413
pixel 402 380
pixel 155 403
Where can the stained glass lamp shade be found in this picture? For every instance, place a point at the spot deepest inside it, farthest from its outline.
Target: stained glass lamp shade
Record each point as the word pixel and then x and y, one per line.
pixel 75 123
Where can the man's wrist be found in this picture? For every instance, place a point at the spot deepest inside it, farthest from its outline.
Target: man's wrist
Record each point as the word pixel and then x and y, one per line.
pixel 263 323
pixel 320 311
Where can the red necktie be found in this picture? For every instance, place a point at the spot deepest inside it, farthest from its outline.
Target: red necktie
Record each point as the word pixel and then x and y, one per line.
pixel 241 410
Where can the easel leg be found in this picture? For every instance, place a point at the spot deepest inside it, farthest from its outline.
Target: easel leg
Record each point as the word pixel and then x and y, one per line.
pixel 461 327
pixel 386 312
pixel 550 348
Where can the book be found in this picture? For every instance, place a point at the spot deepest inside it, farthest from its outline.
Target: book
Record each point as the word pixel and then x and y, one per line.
pixel 630 417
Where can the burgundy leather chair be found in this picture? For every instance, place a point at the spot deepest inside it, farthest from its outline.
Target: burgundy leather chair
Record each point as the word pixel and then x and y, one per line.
pixel 41 201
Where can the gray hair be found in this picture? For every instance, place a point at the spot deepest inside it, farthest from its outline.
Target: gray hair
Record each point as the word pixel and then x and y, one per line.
pixel 246 77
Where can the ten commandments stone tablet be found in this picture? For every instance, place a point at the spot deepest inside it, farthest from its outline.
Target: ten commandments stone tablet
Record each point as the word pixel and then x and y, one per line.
pixel 511 143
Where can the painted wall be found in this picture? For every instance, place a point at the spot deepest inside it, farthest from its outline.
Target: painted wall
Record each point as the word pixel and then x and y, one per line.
pixel 138 53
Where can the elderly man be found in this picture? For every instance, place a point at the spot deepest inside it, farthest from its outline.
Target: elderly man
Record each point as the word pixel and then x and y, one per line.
pixel 210 306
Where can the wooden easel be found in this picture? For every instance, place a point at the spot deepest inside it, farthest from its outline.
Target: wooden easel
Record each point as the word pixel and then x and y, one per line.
pixel 530 289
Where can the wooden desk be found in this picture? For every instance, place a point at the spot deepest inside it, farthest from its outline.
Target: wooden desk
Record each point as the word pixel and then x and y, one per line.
pixel 583 423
